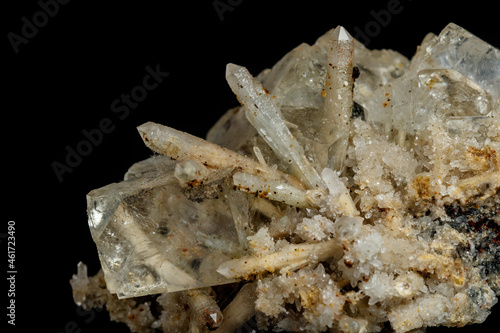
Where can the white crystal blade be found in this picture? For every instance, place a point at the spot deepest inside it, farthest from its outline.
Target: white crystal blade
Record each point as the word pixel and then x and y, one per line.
pixel 183 146
pixel 271 189
pixel 292 256
pixel 338 93
pixel 264 115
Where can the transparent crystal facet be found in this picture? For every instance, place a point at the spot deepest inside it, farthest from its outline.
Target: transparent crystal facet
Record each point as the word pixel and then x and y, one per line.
pixel 151 238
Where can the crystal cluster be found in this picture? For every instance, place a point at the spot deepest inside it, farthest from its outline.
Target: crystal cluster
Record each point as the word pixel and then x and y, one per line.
pixel 352 191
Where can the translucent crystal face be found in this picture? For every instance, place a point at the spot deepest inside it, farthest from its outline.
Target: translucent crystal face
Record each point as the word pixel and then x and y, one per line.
pixel 355 186
pixel 455 48
pixel 152 238
pixel 454 74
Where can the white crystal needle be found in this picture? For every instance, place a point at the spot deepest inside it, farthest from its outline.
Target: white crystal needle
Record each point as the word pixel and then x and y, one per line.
pixel 338 102
pixel 182 146
pixel 263 113
pixel 293 255
pixel 274 190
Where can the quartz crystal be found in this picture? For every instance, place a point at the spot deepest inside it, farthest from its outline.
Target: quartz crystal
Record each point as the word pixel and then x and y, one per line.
pixel 351 191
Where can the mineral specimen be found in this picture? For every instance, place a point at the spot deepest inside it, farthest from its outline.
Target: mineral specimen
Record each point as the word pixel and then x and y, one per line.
pixel 352 191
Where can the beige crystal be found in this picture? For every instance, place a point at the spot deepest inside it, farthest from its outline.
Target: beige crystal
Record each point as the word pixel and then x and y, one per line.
pixel 325 202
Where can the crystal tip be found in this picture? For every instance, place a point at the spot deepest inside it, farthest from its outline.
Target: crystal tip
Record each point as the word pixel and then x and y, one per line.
pixel 341 34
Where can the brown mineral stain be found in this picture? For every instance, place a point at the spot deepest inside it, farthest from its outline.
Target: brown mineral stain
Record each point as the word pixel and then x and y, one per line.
pixel 421 185
pixel 194 183
pixel 263 194
pixel 481 159
pixel 258 193
pixel 430 84
pixel 239 187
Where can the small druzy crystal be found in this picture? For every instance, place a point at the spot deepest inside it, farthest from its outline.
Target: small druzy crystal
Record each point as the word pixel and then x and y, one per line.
pixel 353 189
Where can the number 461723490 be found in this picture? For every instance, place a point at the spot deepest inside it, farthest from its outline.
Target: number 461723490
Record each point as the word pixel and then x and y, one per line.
pixel 11 244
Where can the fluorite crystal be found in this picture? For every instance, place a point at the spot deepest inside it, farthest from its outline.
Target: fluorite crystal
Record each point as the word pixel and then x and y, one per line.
pixel 351 188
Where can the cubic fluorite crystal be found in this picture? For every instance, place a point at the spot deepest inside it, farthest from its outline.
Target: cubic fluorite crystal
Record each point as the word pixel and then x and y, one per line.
pixel 351 188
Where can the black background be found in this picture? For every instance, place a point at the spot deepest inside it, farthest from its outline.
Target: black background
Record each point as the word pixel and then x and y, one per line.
pixel 64 79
